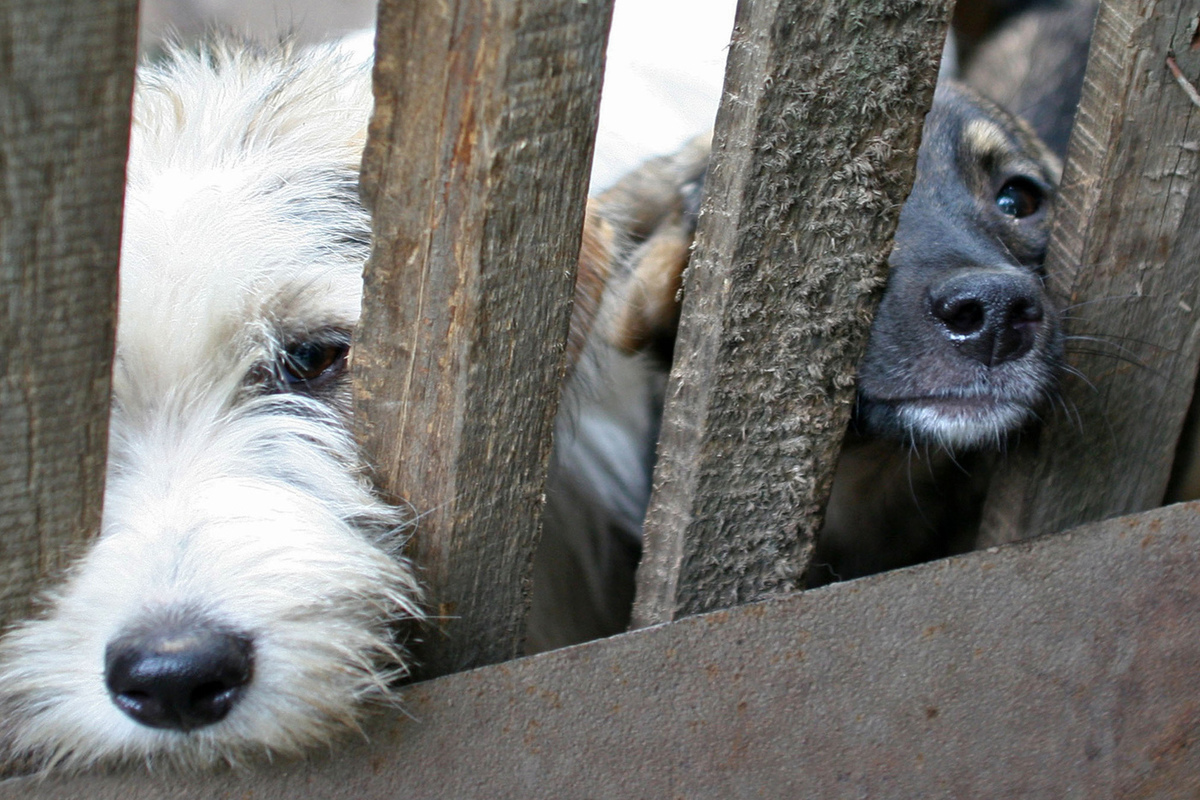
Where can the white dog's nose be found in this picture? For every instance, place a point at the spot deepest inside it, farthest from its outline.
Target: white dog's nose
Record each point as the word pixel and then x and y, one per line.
pixel 180 677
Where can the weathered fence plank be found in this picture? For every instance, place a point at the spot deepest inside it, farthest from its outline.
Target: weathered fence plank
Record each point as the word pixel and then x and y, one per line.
pixel 814 151
pixel 1063 667
pixel 476 173
pixel 66 79
pixel 1124 262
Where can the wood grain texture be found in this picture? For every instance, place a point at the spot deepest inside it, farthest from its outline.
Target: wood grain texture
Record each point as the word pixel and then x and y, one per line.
pixel 1124 261
pixel 66 81
pixel 476 172
pixel 814 152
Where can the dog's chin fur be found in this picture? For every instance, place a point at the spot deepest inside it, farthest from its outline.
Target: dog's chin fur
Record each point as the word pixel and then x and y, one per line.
pixel 232 500
pixel 961 421
pixel 963 424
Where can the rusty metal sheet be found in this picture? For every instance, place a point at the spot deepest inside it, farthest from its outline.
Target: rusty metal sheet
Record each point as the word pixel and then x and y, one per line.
pixel 1065 667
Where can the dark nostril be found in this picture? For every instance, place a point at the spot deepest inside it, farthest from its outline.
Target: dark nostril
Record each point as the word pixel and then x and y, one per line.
pixel 962 316
pixel 178 676
pixel 1018 329
pixel 1025 311
pixel 992 317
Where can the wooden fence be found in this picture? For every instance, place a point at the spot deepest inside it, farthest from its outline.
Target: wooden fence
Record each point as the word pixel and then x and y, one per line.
pixel 1061 667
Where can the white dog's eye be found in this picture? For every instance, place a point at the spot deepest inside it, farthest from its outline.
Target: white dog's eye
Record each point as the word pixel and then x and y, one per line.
pixel 312 363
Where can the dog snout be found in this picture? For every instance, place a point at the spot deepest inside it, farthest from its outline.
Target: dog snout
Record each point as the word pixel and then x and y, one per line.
pixel 991 317
pixel 178 677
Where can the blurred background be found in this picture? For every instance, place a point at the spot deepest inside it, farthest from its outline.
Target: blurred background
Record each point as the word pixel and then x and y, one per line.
pixel 265 20
pixel 666 58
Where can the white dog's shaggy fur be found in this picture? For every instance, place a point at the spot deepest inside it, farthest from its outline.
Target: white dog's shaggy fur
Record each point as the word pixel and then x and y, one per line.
pixel 237 520
pixel 244 596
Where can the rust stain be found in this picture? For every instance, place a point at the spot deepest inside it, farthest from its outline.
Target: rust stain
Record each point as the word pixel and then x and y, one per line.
pixel 552 697
pixel 531 736
pixel 1173 773
pixel 932 630
pixel 931 712
pixel 1155 525
pixel 1180 735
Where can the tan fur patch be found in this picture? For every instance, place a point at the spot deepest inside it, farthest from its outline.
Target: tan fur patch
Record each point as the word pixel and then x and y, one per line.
pixel 985 138
pixel 651 306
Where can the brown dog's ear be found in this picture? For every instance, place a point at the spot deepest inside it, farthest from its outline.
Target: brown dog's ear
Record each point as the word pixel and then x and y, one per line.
pixel 637 241
pixel 647 316
pixel 640 201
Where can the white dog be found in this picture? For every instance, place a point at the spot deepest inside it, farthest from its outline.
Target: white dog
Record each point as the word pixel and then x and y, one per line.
pixel 245 590
pixel 244 595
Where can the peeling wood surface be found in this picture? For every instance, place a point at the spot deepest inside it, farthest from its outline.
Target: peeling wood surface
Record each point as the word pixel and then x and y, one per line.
pixel 476 171
pixel 814 152
pixel 1125 262
pixel 66 82
pixel 1059 668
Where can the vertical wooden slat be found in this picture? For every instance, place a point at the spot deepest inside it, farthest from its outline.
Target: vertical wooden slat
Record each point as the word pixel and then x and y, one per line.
pixel 66 78
pixel 476 173
pixel 1125 262
pixel 814 152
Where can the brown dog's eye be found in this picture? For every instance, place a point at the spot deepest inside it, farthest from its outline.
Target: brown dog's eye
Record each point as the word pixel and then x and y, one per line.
pixel 309 364
pixel 1019 198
